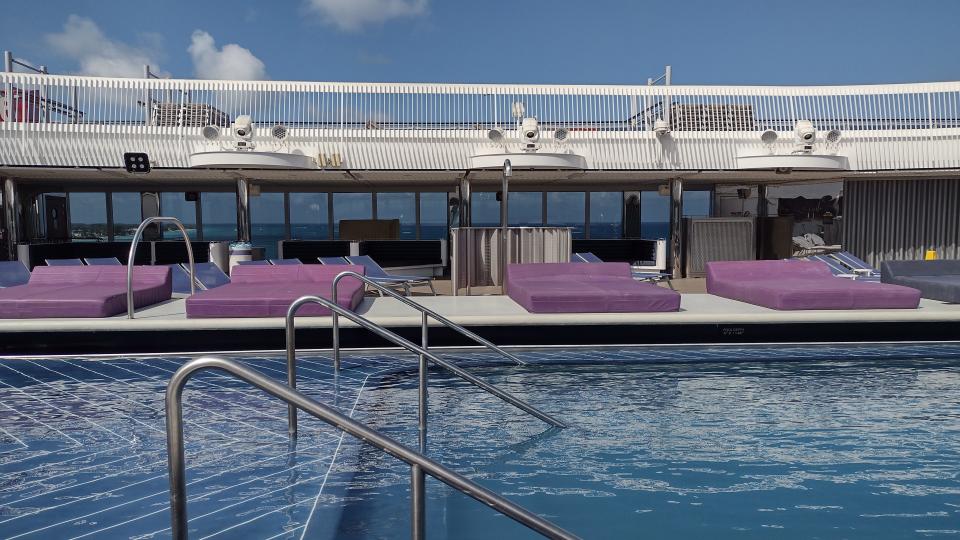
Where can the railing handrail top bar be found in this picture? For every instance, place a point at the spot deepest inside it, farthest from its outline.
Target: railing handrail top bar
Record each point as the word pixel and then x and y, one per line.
pixel 507 88
pixel 423 309
pixel 358 430
pixel 131 256
pixel 416 349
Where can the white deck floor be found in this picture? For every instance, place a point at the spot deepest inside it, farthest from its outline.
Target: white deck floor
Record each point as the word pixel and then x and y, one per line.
pixel 496 311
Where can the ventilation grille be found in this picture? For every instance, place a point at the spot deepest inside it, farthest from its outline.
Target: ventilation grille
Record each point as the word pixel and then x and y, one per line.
pixel 717 239
pixel 692 117
pixel 188 114
pixel 476 251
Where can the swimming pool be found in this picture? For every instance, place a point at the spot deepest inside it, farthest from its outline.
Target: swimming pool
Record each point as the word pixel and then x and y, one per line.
pixel 820 449
pixel 82 451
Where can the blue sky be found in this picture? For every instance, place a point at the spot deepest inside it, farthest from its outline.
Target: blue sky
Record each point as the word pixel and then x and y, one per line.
pixel 560 41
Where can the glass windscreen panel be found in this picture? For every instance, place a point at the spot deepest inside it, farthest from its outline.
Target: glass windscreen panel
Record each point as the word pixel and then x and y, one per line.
pixel 525 209
pixel 434 212
pixel 606 214
pixel 401 206
pixel 126 215
pixel 174 204
pixel 309 218
pixel 484 209
pixel 88 217
pixel 567 209
pixel 267 222
pixel 654 215
pixel 218 212
pixel 351 206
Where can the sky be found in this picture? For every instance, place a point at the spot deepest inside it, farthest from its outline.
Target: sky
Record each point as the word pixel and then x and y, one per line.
pixel 774 42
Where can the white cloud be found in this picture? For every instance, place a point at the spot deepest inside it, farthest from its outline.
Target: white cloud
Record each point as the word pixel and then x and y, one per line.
pixel 96 54
pixel 231 62
pixel 354 14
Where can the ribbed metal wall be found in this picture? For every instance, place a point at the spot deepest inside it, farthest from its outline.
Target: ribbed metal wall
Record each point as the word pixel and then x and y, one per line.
pixel 900 219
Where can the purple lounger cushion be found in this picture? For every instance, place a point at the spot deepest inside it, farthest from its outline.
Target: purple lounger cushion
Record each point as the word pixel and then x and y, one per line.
pixel 584 288
pixel 789 285
pixel 268 291
pixel 84 291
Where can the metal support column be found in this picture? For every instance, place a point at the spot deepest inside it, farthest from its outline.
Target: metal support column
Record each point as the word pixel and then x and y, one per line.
pixel 504 220
pixel 466 193
pixel 762 204
pixel 243 210
pixel 11 219
pixel 676 228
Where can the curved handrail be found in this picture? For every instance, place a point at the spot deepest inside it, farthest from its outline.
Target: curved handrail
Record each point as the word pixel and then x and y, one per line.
pixel 133 251
pixel 392 337
pixel 422 309
pixel 419 463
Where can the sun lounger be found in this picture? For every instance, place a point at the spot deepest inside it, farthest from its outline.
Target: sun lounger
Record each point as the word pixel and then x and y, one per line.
pixel 63 262
pixel 856 264
pixel 793 285
pixel 180 279
pixel 333 261
pixel 83 291
pixel 584 288
pixel 102 261
pixel 281 262
pixel 937 280
pixel 209 275
pixel 378 274
pixel 268 291
pixel 589 257
pixel 253 263
pixel 13 273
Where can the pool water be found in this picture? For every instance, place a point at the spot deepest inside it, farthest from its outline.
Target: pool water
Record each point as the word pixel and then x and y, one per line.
pixel 726 441
pixel 819 449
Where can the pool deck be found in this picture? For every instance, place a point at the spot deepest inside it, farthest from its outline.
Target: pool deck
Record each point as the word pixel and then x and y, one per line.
pixel 703 318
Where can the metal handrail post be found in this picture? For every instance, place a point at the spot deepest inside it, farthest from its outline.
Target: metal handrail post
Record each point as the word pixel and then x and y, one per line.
pixel 176 462
pixel 423 386
pixel 418 499
pixel 133 251
pixel 397 340
pixel 423 309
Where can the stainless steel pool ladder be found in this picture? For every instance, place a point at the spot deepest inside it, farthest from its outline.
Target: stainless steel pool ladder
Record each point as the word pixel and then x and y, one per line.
pixel 425 312
pixel 394 338
pixel 420 465
pixel 133 251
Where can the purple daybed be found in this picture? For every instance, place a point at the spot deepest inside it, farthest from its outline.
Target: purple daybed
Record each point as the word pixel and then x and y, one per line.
pixel 268 291
pixel 790 284
pixel 584 288
pixel 84 291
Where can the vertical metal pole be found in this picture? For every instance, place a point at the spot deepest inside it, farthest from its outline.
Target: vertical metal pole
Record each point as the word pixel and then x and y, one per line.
pixel 243 210
pixel 176 466
pixel 466 194
pixel 667 76
pixel 8 90
pixel 762 206
pixel 11 217
pixel 504 220
pixel 147 98
pixel 418 496
pixel 335 325
pixel 291 373
pixel 423 385
pixel 676 227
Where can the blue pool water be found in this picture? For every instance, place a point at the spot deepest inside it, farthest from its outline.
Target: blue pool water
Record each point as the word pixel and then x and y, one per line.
pixel 774 450
pixel 665 442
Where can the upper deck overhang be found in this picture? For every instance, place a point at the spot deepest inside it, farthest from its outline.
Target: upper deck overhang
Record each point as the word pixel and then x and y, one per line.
pixel 51 121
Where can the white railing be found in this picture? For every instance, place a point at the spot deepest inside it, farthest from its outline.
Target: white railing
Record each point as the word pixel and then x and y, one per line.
pixel 57 120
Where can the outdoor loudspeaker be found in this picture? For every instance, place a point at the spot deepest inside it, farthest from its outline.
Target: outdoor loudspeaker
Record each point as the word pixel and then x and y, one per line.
pixel 136 162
